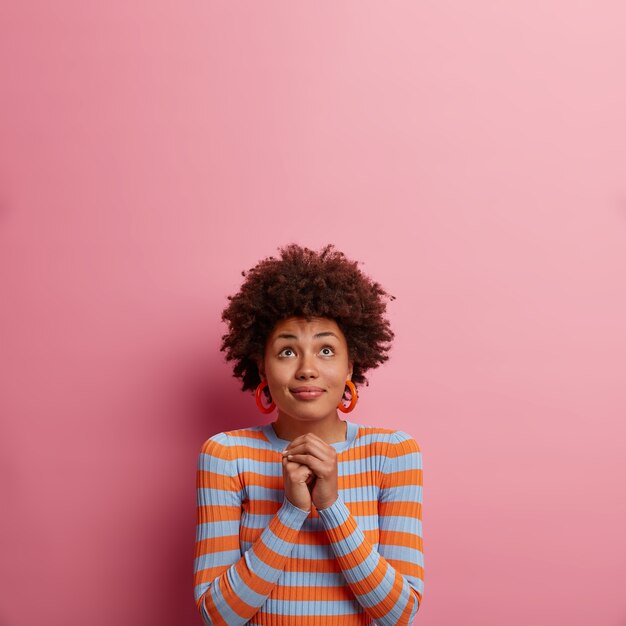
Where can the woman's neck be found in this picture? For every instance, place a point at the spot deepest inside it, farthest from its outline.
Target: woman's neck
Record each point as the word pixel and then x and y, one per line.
pixel 330 430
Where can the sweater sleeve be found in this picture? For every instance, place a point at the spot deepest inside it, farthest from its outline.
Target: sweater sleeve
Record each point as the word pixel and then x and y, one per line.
pixel 230 587
pixel 388 582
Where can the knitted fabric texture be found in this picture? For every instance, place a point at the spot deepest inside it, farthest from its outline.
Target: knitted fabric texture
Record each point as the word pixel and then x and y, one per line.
pixel 261 560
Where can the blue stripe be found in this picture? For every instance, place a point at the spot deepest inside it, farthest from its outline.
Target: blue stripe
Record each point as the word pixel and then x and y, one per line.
pixel 209 496
pixel 349 543
pixel 400 523
pixel 205 616
pixel 215 559
pixel 272 468
pixel 257 492
pixel 209 463
pixel 254 522
pixel 276 544
pixel 364 569
pixel 309 607
pixel 309 553
pixel 243 591
pixel 261 569
pixel 372 463
pixel 210 530
pixel 248 442
pixel 364 493
pixel 402 553
pixel 313 579
pixel 379 592
pixel 356 494
pixel 367 439
pixel 410 461
pixel 313 524
pixel 229 616
pixel 404 493
pixel 198 590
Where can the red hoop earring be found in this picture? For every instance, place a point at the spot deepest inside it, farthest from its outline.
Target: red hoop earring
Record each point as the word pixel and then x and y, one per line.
pixel 353 399
pixel 259 403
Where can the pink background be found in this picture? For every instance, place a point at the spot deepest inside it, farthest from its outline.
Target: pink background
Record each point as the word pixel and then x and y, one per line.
pixel 472 155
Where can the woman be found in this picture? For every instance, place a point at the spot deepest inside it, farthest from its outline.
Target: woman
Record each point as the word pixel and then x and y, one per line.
pixel 310 519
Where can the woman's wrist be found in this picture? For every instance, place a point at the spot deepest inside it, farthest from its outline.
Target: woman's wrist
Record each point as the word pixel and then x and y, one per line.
pixel 324 506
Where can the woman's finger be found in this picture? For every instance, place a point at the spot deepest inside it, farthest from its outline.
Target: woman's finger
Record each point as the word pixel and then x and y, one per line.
pixel 298 472
pixel 316 447
pixel 320 468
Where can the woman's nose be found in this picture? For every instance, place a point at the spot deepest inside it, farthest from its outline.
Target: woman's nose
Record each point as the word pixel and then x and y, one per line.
pixel 306 367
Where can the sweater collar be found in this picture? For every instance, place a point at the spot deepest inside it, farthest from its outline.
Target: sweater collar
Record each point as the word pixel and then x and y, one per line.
pixel 280 444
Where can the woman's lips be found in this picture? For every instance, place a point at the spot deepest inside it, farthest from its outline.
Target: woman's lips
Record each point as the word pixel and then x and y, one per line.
pixel 307 393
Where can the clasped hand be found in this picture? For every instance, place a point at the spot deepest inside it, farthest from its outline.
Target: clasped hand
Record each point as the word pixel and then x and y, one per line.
pixel 310 472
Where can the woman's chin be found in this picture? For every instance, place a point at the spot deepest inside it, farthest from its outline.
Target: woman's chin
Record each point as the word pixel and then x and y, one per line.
pixel 310 414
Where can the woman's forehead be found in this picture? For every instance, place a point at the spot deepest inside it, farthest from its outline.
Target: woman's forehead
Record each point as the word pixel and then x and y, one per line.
pixel 302 326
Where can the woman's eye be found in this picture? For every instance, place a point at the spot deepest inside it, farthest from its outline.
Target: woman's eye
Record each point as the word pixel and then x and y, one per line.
pixel 327 351
pixel 284 352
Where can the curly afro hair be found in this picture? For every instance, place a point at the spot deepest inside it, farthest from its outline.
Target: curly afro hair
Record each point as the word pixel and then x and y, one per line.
pixel 305 283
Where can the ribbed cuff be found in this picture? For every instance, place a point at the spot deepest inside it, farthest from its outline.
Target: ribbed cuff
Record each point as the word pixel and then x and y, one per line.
pixel 291 515
pixel 334 515
pixel 267 556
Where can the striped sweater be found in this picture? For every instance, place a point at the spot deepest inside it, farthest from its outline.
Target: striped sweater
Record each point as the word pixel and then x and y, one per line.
pixel 261 560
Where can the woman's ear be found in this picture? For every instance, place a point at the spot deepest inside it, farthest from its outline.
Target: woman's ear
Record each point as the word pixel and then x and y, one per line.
pixel 261 368
pixel 351 366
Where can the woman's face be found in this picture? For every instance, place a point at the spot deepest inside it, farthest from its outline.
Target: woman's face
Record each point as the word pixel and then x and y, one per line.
pixel 306 366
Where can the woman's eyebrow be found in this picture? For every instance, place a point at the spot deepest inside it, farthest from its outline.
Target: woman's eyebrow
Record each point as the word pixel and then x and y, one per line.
pixel 324 334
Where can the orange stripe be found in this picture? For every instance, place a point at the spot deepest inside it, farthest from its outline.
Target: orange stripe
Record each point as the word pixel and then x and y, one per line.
pixel 283 532
pixel 260 480
pixel 256 583
pixel 221 513
pixel 228 453
pixel 408 609
pixel 407 446
pixel 250 434
pixel 404 540
pixel 360 619
pixel 404 477
pixel 262 507
pixel 307 538
pixel 358 555
pixel 216 618
pixel 213 448
pixel 211 480
pixel 398 538
pixel 372 580
pixel 363 452
pixel 390 600
pixel 236 604
pixel 268 556
pixel 368 507
pixel 208 574
pixel 410 509
pixel 362 479
pixel 217 544
pixel 315 566
pixel 407 568
pixel 382 448
pixel 309 593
